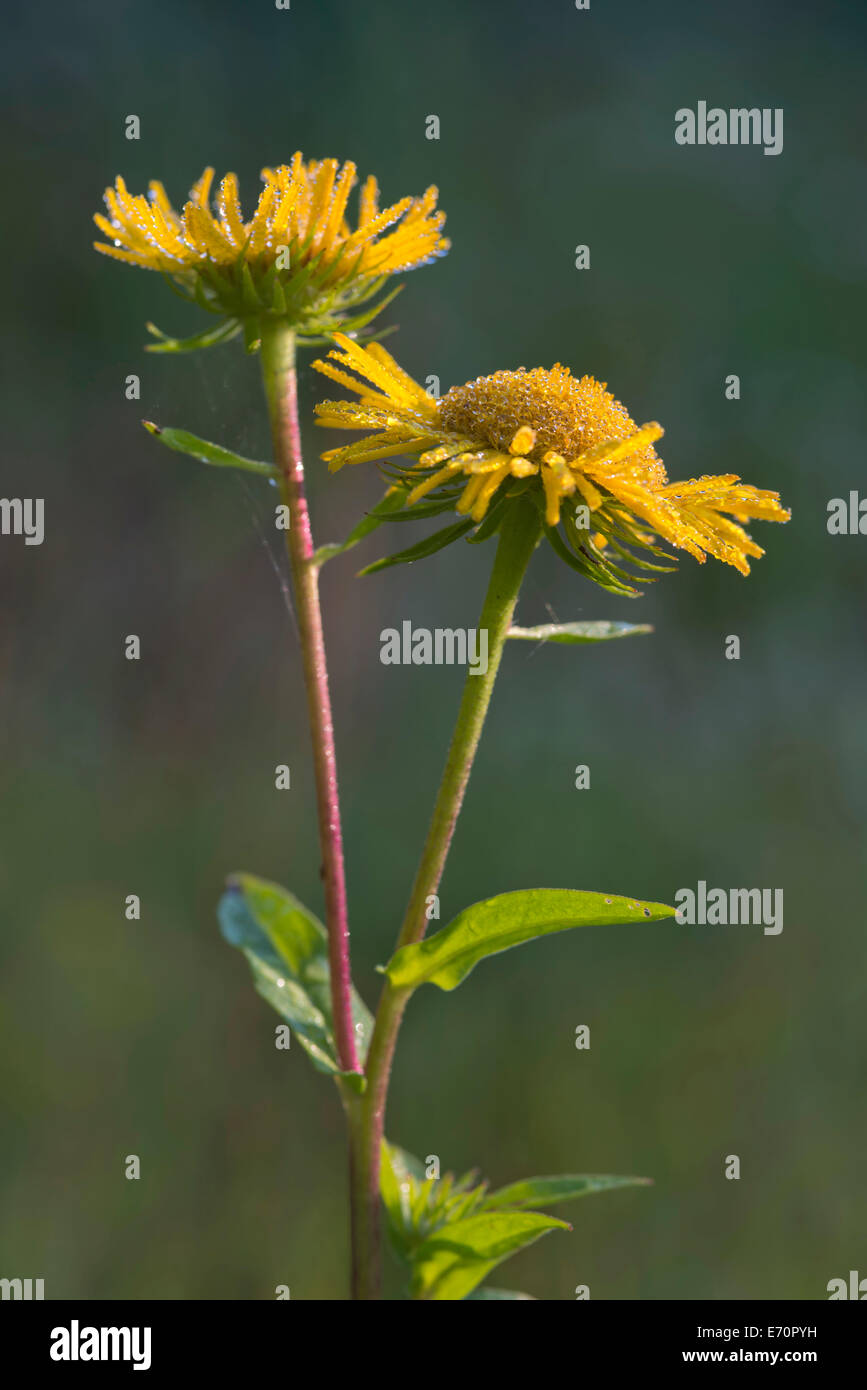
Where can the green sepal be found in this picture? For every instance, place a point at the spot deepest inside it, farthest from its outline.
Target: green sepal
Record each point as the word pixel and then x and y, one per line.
pixel 249 294
pixel 181 285
pixel 185 443
pixel 429 546
pixel 638 560
pixel 589 568
pixel 392 501
pixel 223 333
pixel 421 511
pixel 492 521
pixel 278 298
pixel 209 303
pixel 252 335
pixel 510 919
pixel 354 323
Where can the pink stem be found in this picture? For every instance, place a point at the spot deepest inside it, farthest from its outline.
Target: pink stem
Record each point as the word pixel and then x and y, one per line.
pixel 278 367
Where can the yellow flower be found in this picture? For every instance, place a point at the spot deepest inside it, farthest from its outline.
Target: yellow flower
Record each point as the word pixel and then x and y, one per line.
pixel 561 439
pixel 297 256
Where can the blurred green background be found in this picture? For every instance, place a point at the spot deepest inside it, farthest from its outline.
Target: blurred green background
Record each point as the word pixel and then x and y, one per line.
pixel 156 777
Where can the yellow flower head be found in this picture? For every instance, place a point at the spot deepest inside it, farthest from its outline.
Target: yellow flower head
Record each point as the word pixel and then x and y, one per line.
pixel 296 257
pixel 563 440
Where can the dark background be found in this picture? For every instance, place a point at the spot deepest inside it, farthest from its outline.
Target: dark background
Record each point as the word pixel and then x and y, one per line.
pixel 156 777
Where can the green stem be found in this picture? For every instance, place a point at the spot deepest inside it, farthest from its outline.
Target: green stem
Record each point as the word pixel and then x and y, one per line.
pixel 519 536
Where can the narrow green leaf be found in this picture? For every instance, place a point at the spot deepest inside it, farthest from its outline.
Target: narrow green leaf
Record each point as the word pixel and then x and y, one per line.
pixel 392 501
pixel 185 443
pixel 429 546
pixel 578 632
pixel 454 1260
pixel 509 919
pixel 223 333
pixel 544 1192
pixel 287 949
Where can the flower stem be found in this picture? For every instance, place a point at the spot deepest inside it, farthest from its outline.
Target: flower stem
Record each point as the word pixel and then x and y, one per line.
pixel 278 370
pixel 518 538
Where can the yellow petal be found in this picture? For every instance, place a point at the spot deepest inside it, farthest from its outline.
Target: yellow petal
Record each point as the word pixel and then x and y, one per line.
pixel 523 440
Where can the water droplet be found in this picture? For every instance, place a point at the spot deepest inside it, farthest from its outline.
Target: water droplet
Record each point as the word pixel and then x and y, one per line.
pixel 609 900
pixel 280 984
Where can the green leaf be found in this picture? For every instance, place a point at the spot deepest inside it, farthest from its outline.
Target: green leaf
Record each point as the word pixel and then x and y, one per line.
pixel 578 632
pixel 287 950
pixel 509 919
pixel 223 333
pixel 488 1295
pixel 429 546
pixel 185 443
pixel 452 1261
pixel 544 1192
pixel 392 501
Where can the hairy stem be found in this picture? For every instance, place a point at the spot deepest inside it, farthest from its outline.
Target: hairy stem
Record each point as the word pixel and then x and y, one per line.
pixel 278 370
pixel 518 538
